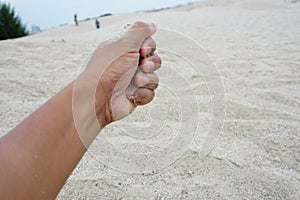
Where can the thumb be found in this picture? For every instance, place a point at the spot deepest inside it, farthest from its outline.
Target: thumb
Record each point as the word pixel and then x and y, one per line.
pixel 136 34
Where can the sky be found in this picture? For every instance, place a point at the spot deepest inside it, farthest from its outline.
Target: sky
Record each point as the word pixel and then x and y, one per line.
pixel 52 13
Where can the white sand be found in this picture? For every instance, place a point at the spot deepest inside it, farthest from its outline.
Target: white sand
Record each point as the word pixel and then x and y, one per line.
pixel 255 46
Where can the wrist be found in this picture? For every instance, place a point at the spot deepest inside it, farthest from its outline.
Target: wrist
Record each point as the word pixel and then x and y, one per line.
pixel 102 107
pixel 92 96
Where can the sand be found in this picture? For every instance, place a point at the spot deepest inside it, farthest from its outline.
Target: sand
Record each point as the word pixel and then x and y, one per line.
pixel 255 47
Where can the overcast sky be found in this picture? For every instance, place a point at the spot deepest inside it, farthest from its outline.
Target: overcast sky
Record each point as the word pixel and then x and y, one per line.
pixel 51 13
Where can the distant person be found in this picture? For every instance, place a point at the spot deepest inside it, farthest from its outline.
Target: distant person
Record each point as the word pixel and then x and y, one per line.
pixel 97 23
pixel 75 19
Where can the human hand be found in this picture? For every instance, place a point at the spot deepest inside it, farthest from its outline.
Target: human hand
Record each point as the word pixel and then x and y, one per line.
pixel 121 85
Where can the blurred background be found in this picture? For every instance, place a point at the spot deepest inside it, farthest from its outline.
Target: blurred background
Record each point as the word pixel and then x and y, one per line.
pixel 40 15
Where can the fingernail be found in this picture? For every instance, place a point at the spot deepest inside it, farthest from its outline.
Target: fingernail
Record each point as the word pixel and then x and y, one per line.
pixel 146 51
pixel 149 64
pixel 145 80
pixel 153 25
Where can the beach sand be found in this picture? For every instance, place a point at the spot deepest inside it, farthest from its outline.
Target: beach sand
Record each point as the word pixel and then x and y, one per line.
pixel 254 45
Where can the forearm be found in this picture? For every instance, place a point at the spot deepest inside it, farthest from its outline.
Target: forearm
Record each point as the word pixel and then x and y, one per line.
pixel 38 155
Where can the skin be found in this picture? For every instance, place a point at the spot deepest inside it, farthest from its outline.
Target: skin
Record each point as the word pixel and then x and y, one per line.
pixel 39 154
